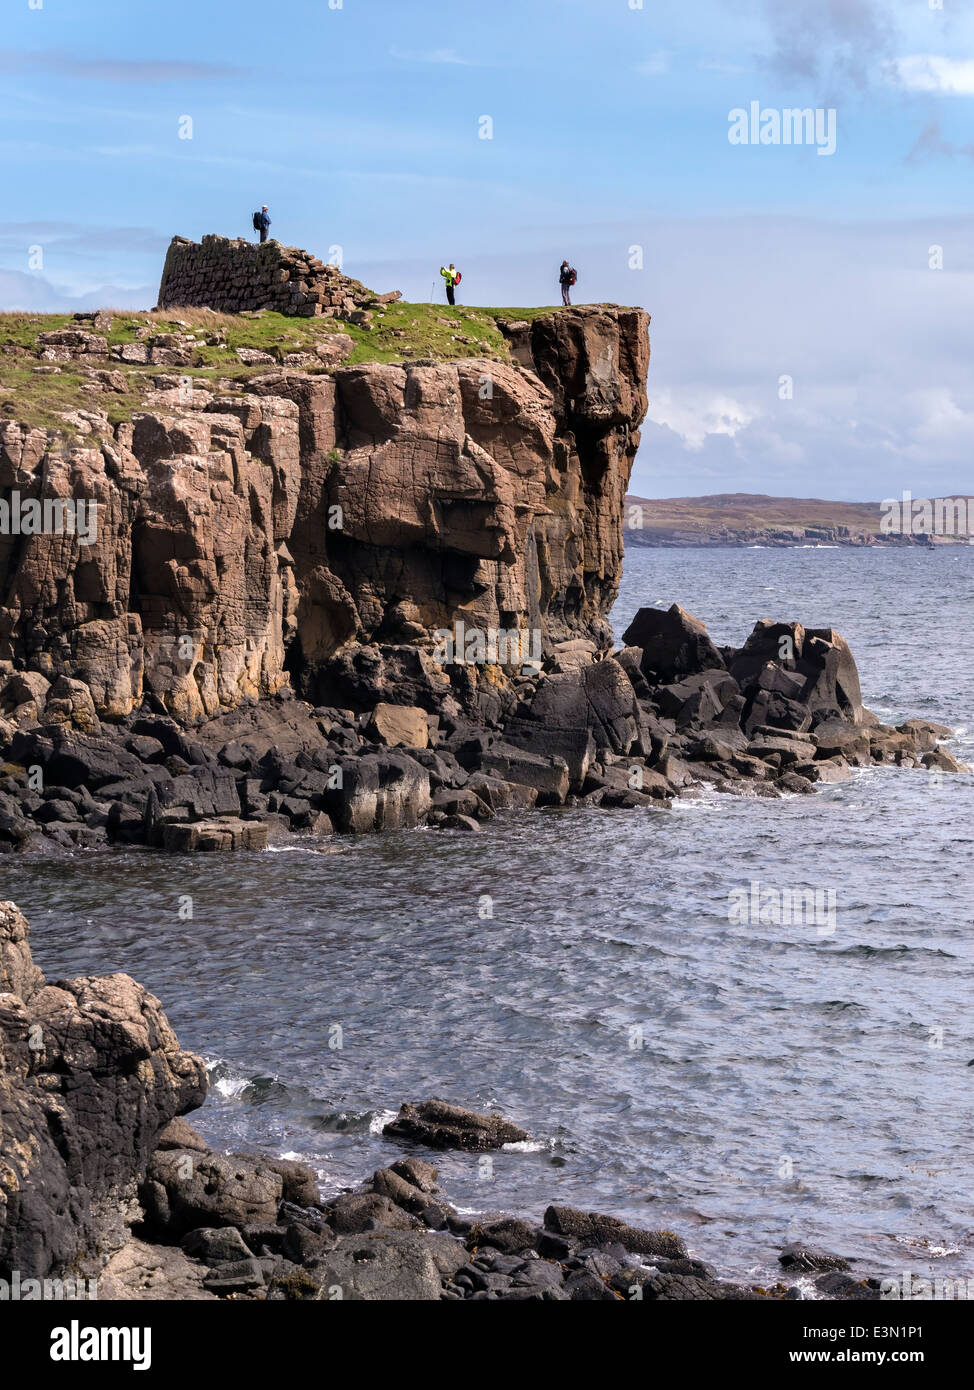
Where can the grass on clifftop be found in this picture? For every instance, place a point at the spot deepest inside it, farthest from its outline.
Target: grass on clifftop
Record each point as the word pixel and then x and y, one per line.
pixel 399 332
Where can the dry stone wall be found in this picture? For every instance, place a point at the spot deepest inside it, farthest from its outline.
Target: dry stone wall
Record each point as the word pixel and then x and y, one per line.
pixel 239 276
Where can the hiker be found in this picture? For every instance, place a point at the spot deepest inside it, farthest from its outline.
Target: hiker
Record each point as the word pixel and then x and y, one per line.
pixel 566 279
pixel 452 277
pixel 262 221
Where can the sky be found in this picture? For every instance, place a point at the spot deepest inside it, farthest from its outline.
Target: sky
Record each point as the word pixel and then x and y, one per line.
pixel 811 311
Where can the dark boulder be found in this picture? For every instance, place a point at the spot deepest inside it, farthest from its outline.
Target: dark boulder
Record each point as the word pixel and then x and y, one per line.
pixel 673 643
pixel 440 1125
pixel 589 1228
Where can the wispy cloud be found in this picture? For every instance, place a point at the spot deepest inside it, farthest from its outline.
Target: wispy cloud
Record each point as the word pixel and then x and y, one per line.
pixel 928 72
pixel 433 55
pixel 116 69
pixel 838 42
pixel 655 65
pixel 69 236
pixel 932 141
pixel 35 294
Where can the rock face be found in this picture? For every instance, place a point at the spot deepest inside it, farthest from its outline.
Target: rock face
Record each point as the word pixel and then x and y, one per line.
pixel 247 540
pixel 90 1074
pixel 238 276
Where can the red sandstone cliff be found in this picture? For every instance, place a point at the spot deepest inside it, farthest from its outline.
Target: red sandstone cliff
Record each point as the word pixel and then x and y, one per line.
pixel 249 533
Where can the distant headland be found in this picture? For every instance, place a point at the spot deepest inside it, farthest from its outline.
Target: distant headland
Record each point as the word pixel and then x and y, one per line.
pixel 746 519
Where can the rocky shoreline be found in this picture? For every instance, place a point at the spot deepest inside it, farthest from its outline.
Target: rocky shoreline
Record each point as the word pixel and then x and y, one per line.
pixel 104 1183
pixel 634 728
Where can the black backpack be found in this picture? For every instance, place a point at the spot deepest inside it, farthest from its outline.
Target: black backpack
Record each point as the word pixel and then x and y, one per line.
pixel 256 221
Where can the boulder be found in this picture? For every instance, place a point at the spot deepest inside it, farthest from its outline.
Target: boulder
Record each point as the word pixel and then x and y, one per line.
pixel 589 1228
pixel 944 761
pixel 548 776
pixel 384 1266
pixel 440 1125
pixel 398 726
pixel 674 644
pixel 386 791
pixel 185 1189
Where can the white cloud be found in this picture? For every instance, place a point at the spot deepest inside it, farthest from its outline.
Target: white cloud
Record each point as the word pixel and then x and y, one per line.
pixel 694 415
pixel 434 55
pixel 927 72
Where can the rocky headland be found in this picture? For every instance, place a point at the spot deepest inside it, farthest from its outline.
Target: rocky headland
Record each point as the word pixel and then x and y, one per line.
pixel 332 591
pixel 754 519
pixel 332 597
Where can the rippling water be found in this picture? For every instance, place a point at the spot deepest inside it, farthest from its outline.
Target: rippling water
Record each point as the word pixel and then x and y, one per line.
pixel 743 1084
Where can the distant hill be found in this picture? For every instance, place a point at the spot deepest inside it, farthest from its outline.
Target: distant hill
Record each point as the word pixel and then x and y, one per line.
pixel 747 518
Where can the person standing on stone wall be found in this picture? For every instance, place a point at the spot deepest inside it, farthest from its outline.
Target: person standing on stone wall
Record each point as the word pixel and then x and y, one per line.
pixel 452 277
pixel 262 222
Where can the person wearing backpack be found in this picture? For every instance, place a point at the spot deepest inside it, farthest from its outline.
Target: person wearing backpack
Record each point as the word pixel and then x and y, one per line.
pixel 566 278
pixel 452 277
pixel 261 222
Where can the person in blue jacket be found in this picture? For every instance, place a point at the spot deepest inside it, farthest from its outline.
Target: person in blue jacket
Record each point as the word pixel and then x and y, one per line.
pixel 262 222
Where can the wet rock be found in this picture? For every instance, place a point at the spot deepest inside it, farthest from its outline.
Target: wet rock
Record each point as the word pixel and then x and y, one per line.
pixel 214 836
pixel 440 1125
pixel 419 1174
pixel 944 761
pixel 847 1286
pixel 799 1257
pixel 548 776
pixel 379 792
pixel 590 1228
pixel 466 823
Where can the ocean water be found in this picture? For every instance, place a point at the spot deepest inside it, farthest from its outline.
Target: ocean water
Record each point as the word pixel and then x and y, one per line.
pixel 745 1083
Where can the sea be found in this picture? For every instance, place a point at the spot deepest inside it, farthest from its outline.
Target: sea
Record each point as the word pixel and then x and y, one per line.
pixel 749 1021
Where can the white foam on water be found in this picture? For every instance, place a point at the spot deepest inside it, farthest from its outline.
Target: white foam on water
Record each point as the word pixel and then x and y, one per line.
pixel 379 1120
pixel 231 1084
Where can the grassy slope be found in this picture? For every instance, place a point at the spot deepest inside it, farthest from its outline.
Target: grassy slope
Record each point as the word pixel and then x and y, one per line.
pixel 401 332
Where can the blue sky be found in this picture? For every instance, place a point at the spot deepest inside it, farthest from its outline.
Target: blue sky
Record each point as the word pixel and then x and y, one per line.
pixel 360 126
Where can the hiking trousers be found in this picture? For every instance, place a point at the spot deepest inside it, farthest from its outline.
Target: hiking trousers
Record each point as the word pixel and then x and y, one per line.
pixel 566 297
pixel 449 295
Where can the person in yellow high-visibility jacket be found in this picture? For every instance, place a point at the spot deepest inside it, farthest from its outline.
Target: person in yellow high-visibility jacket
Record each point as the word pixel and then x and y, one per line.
pixel 452 277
